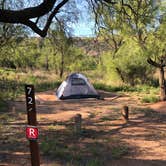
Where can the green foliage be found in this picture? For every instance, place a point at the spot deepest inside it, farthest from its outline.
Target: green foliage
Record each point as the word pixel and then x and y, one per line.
pixel 12 82
pixel 42 86
pixel 150 99
pixel 156 42
pixel 128 64
pixel 94 162
pixel 133 36
pixel 3 105
pixel 124 88
pixel 54 149
pixel 91 154
pixel 81 62
pixel 108 88
pixel 148 112
pixel 119 151
pixel 107 118
pixel 107 68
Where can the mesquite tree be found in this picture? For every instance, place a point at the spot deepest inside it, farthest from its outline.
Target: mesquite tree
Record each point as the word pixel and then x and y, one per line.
pixel 143 21
pixel 160 65
pixel 156 49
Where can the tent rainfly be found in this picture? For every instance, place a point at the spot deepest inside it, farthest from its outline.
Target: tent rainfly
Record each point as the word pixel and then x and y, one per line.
pixel 76 86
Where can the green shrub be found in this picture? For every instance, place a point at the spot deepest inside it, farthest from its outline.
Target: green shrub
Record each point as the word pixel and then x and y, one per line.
pixel 124 88
pixel 118 151
pixel 3 105
pixel 54 149
pixel 110 88
pixel 94 162
pixel 150 99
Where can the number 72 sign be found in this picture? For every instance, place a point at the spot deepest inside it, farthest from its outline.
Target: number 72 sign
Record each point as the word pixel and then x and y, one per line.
pixel 30 102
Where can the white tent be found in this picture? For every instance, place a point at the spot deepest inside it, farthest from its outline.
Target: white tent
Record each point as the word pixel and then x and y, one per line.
pixel 76 86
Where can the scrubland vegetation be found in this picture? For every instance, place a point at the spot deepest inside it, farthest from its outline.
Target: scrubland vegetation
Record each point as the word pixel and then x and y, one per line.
pixel 36 61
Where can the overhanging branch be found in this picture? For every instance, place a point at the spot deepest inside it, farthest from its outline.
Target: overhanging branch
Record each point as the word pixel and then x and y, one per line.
pixel 23 16
pixel 15 16
pixel 110 2
pixel 53 14
pixel 153 63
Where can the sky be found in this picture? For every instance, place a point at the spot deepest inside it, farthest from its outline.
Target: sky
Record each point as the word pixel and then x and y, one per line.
pixel 85 25
pixel 83 29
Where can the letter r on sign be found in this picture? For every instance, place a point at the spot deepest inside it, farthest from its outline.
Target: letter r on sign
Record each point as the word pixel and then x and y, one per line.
pixel 32 133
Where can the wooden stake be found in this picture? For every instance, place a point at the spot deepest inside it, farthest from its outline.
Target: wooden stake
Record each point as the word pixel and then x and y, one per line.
pixel 125 113
pixel 78 123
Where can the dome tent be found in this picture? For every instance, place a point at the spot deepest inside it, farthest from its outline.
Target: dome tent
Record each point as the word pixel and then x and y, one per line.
pixel 76 86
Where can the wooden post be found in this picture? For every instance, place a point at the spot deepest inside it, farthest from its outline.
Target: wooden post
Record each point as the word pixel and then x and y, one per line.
pixel 31 115
pixel 78 123
pixel 125 113
pixel 13 109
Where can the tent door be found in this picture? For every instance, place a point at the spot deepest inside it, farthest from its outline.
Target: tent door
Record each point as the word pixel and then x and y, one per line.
pixel 82 90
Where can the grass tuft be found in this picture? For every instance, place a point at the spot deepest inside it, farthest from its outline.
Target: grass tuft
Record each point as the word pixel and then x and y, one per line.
pixel 150 99
pixel 3 106
pixel 119 151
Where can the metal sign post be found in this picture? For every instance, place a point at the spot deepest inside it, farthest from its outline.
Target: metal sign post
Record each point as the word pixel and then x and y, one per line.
pixel 31 130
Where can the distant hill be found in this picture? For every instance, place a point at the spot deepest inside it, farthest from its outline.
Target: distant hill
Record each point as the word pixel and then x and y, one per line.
pixel 91 46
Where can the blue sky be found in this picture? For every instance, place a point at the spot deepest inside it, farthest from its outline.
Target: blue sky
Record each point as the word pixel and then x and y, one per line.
pixel 85 25
pixel 83 29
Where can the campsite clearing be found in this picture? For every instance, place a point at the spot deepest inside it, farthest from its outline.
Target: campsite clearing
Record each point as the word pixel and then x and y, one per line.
pixel 105 138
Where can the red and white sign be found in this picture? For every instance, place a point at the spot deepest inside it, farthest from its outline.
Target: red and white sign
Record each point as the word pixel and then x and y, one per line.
pixel 32 132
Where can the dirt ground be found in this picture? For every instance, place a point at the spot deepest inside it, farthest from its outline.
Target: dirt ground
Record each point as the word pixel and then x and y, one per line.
pixel 144 135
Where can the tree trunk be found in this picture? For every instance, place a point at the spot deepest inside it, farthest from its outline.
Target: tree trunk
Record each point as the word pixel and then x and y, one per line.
pixel 162 84
pixel 162 81
pixel 62 65
pixel 120 74
pixel 47 63
pixel 54 62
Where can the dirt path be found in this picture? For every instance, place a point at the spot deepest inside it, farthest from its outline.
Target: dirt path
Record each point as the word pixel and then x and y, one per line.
pixel 144 134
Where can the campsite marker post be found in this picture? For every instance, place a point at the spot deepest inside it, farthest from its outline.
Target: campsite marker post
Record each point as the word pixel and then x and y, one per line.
pixel 32 130
pixel 78 121
pixel 125 113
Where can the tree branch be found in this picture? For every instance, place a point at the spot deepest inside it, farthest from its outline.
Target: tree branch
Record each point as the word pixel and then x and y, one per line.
pixel 122 3
pixel 129 6
pixel 55 11
pixel 110 2
pixel 15 16
pixel 23 16
pixel 153 63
